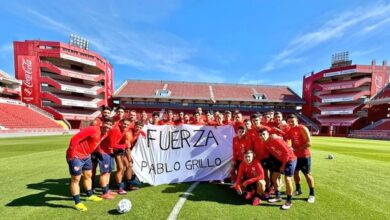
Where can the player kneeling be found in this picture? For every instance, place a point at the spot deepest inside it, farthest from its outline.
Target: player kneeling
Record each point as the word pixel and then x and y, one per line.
pixel 250 178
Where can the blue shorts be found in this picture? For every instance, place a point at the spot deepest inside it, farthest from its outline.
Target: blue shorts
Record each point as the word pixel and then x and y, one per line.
pixel 76 165
pixel 105 163
pixel 289 169
pixel 304 165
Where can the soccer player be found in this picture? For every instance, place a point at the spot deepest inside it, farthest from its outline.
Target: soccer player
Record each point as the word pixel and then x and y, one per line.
pixel 280 123
pixel 220 120
pixel 250 178
pixel 105 112
pixel 106 163
pixel 119 114
pixel 132 181
pixel 133 118
pixel 300 142
pixel 267 120
pixel 122 138
pixel 144 118
pixel 169 120
pixel 238 121
pixel 155 119
pixel 284 162
pixel 197 119
pixel 210 119
pixel 199 110
pixel 228 118
pixel 78 156
pixel 262 155
pixel 241 143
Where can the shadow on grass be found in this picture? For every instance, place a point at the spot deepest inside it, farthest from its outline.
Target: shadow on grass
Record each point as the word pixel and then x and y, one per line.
pixel 213 192
pixel 113 212
pixel 50 190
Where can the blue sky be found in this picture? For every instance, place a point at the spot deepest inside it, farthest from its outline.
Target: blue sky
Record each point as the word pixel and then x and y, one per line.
pixel 259 42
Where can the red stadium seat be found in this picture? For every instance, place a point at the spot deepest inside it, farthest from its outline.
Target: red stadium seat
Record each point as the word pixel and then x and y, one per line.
pixel 20 116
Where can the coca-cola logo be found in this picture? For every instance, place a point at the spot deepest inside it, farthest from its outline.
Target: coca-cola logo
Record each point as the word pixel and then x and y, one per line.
pixel 27 69
pixel 109 81
pixel 27 91
pixel 378 82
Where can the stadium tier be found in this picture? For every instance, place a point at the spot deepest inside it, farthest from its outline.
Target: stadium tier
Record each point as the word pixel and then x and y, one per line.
pixel 9 88
pixel 67 81
pixel 186 96
pixel 17 115
pixel 338 98
pixel 210 96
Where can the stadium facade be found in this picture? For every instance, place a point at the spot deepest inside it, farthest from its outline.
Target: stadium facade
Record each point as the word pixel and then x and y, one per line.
pixel 67 81
pixel 186 96
pixel 338 98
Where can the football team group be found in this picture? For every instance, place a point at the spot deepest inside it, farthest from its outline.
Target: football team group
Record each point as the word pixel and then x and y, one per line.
pixel 265 147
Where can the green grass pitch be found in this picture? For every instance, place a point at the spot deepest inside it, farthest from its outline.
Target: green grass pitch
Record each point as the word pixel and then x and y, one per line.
pixel 354 185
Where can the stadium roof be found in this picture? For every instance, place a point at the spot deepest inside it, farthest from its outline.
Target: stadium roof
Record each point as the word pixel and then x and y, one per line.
pixel 206 91
pixel 6 78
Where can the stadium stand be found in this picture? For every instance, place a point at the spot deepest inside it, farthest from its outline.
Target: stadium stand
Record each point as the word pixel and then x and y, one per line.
pixel 342 92
pixel 17 115
pixel 9 87
pixel 186 96
pixel 62 76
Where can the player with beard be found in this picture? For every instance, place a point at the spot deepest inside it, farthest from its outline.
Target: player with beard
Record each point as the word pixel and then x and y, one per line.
pixel 78 156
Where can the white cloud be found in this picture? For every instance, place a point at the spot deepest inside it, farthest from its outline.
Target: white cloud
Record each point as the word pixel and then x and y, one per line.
pixel 368 17
pixel 360 53
pixel 50 23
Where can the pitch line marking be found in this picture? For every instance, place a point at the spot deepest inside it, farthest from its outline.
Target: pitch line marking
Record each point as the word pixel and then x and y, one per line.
pixel 175 211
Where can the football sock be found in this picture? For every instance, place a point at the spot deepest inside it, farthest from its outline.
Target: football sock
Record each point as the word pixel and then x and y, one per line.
pixel 277 194
pixel 298 187
pixel 76 199
pixel 105 189
pixel 89 192
pixel 311 191
pixel 121 185
pixel 289 198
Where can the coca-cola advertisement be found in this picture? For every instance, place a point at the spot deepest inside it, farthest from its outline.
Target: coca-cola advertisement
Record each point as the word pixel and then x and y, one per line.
pixel 109 82
pixel 27 71
pixel 378 82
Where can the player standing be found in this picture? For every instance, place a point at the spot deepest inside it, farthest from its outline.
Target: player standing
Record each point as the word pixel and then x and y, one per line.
pixel 285 162
pixel 78 156
pixel 301 141
pixel 122 138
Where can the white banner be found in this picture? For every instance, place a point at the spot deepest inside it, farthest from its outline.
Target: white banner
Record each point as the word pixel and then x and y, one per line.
pixel 174 154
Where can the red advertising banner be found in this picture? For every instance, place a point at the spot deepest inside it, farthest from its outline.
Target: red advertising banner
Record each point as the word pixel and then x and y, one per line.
pixel 378 81
pixel 27 70
pixel 109 83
